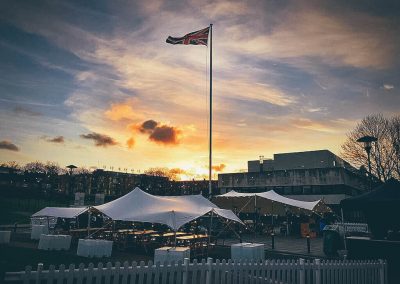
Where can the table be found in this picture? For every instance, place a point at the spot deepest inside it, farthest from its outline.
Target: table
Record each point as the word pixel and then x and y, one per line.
pixel 249 251
pixel 37 230
pixel 94 248
pixel 54 242
pixel 169 254
pixel 5 237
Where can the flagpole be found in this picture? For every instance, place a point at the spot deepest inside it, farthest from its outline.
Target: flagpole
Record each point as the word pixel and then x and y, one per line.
pixel 210 142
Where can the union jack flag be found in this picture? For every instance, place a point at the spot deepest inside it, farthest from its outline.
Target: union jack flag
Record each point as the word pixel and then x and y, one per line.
pixel 197 38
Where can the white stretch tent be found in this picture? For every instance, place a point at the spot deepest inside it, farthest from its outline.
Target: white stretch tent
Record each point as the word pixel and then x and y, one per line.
pixel 263 200
pixel 60 212
pixel 173 211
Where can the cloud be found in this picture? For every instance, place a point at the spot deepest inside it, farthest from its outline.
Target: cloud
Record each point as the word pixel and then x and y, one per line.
pixel 57 139
pixel 120 111
pixel 353 39
pixel 388 87
pixel 7 145
pixel 148 126
pixel 101 140
pixel 158 133
pixel 25 111
pixel 130 143
pixel 177 171
pixel 219 168
pixel 167 135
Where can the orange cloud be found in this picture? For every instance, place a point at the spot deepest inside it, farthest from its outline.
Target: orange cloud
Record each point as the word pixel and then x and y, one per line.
pixel 219 168
pixel 120 111
pixel 130 142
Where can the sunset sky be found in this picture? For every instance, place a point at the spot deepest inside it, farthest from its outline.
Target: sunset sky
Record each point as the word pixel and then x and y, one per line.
pixel 93 83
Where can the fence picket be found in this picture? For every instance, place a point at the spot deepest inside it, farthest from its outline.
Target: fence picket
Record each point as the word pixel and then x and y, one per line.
pixel 203 271
pixel 141 272
pixel 27 275
pixel 59 277
pixel 133 273
pixel 99 273
pixel 124 273
pixel 89 273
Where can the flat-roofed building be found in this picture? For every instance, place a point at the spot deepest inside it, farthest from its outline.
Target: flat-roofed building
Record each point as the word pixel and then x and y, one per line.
pixel 302 175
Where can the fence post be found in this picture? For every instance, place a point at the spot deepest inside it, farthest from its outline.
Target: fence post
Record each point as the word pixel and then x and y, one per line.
pixel 317 271
pixel 302 275
pixel 273 240
pixel 39 272
pixel 381 272
pixel 185 270
pixel 209 270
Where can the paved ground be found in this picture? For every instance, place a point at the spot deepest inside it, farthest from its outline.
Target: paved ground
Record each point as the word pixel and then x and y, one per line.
pixel 283 244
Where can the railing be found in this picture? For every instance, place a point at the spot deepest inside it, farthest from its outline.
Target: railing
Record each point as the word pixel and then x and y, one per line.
pixel 220 272
pixel 353 227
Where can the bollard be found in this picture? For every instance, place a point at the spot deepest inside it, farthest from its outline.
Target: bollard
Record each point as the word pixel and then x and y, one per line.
pixel 273 240
pixel 308 243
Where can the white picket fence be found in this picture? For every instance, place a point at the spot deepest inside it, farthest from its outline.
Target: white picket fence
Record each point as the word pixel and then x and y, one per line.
pixel 219 272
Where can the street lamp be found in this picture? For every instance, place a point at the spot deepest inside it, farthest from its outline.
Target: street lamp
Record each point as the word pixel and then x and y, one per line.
pixel 71 169
pixel 367 140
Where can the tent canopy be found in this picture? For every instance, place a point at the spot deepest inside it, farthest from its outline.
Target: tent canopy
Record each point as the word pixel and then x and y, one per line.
pixel 173 211
pixel 60 212
pixel 267 202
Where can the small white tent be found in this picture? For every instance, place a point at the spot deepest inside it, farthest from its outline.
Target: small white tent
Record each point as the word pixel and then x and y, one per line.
pixel 264 201
pixel 60 212
pixel 173 211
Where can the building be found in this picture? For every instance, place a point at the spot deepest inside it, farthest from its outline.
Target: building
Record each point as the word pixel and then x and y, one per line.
pixel 111 183
pixel 304 176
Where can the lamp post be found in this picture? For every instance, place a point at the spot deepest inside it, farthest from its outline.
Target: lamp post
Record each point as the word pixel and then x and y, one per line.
pixel 71 169
pixel 367 140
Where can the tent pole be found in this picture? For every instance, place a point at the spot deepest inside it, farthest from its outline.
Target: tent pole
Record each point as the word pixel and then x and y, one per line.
pixel 48 225
pixel 344 229
pixel 209 232
pixel 174 238
pixel 88 225
pixel 255 216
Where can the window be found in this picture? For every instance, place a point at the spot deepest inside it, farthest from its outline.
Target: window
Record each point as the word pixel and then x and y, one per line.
pixel 307 190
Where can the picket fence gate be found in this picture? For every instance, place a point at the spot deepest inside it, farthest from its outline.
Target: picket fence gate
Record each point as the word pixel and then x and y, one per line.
pixel 219 272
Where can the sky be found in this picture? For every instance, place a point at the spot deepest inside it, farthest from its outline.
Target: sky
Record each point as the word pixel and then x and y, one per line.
pixel 93 83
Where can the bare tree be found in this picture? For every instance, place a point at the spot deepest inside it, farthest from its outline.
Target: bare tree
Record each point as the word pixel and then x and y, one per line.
pixel 383 158
pixel 12 164
pixel 161 172
pixel 35 167
pixel 52 168
pixel 395 140
pixel 81 171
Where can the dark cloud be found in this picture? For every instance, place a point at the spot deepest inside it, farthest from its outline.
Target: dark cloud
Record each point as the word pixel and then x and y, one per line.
pixel 57 139
pixel 165 135
pixel 162 134
pixel 7 145
pixel 148 126
pixel 25 111
pixel 219 168
pixel 100 140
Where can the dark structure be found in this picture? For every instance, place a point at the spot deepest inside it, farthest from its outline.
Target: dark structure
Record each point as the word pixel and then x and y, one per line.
pixel 380 208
